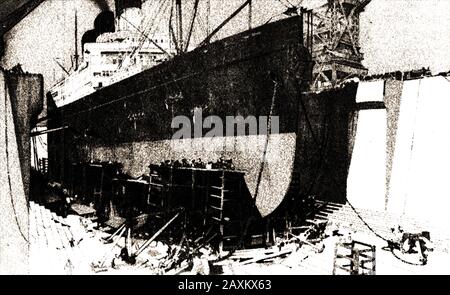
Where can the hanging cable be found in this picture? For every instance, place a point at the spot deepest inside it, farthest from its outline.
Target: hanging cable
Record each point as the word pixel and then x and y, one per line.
pixel 150 39
pixel 405 261
pixel 161 9
pixel 41 141
pixel 284 4
pixel 266 143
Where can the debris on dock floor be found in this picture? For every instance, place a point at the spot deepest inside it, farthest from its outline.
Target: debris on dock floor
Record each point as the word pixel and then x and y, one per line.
pixel 74 245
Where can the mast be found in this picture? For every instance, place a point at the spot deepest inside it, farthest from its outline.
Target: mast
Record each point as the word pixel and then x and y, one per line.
pixel 250 12
pixel 208 12
pixel 191 27
pixel 180 24
pixel 76 56
pixel 172 30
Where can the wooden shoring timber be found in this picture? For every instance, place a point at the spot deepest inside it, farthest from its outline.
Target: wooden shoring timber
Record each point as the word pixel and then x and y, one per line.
pixel 149 241
pixel 265 257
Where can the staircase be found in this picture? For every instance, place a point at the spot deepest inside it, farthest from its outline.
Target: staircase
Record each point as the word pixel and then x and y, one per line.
pixel 382 221
pixel 53 242
pixel 325 209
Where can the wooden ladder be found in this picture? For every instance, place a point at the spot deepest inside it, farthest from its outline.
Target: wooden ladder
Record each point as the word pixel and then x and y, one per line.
pixel 156 189
pixel 359 259
pixel 221 199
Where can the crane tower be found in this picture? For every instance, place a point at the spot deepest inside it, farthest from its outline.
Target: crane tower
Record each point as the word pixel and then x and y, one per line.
pixel 336 49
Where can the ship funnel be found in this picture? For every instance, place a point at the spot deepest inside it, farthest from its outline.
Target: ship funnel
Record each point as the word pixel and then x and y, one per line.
pixel 121 5
pixel 102 4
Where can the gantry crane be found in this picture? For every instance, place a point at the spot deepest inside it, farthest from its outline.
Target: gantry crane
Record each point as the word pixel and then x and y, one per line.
pixel 336 49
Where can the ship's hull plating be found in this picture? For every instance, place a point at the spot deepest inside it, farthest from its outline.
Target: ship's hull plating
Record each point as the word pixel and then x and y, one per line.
pixel 261 72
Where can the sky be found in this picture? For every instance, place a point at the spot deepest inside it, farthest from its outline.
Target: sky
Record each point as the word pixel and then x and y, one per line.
pixel 395 34
pixel 406 34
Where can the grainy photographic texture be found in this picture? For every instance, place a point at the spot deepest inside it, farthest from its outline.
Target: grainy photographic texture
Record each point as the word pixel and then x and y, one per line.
pixel 321 148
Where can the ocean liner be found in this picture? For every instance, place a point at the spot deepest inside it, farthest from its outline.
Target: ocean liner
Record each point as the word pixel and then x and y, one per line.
pixel 264 71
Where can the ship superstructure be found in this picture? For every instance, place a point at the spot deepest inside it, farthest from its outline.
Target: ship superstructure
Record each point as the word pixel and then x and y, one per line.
pixel 113 57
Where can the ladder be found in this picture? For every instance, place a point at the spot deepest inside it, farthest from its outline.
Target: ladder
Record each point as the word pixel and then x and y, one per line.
pixel 156 188
pixel 224 207
pixel 359 258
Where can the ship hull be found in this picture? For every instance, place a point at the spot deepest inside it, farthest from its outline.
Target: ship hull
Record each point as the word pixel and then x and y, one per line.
pixel 262 72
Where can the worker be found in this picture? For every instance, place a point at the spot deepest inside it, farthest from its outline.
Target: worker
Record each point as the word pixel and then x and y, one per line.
pixel 346 232
pixel 68 205
pixel 200 265
pixel 411 243
pixel 420 242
